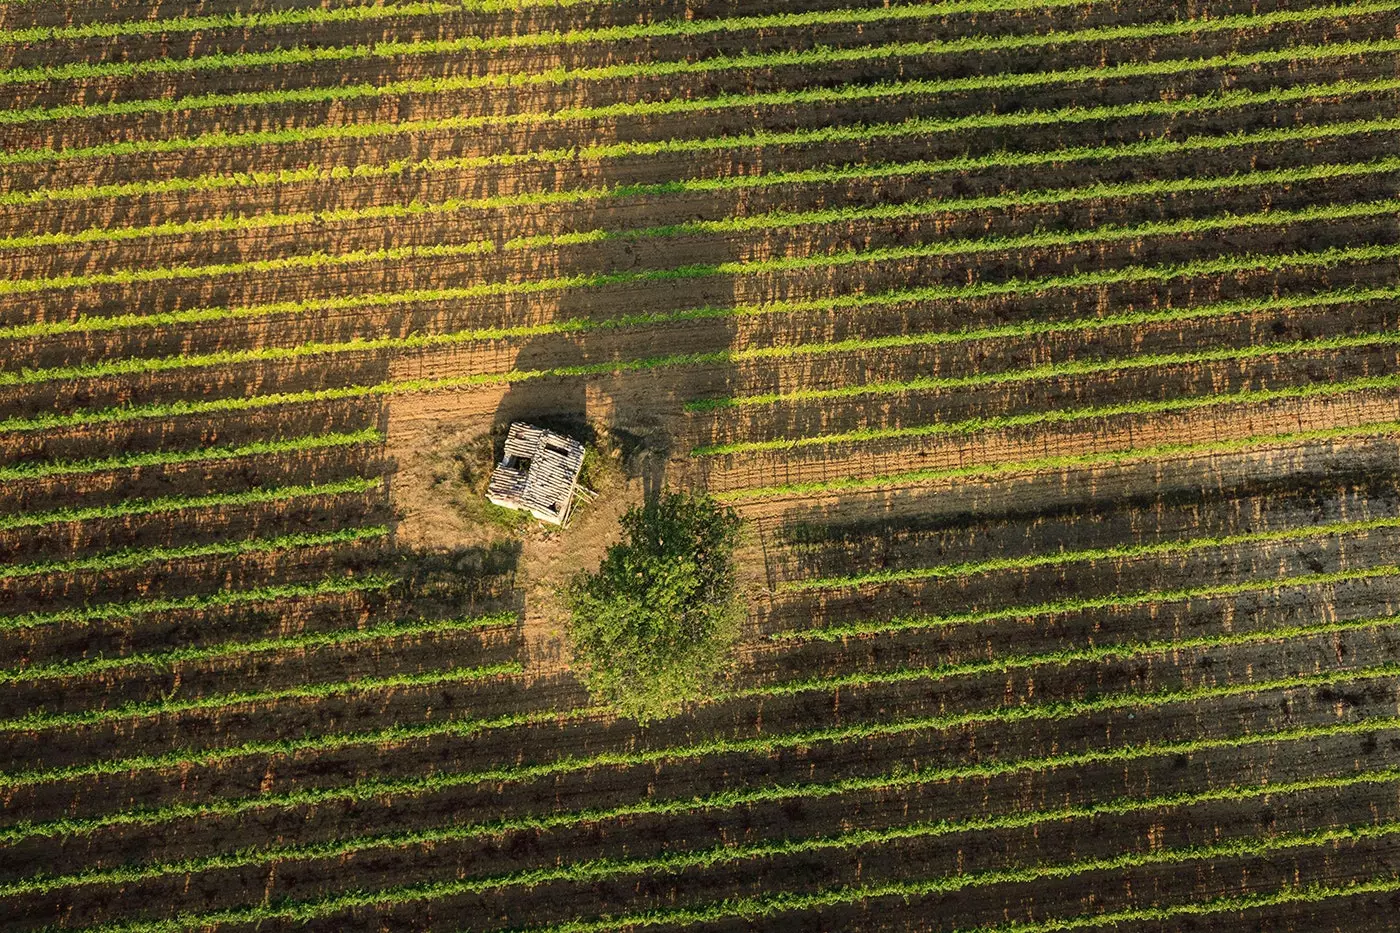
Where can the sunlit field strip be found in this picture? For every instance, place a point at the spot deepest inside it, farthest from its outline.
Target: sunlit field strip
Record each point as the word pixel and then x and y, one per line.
pixel 875 627
pixel 135 557
pixel 846 93
pixel 45 469
pixel 1004 158
pixel 131 507
pixel 893 781
pixel 1067 415
pixel 614 869
pixel 1066 461
pixel 1230 263
pixel 772 905
pixel 817 57
pixel 425 341
pixel 244 223
pixel 1027 374
pixel 136 609
pixel 1344 295
pixel 219 702
pixel 399 49
pixel 1107 233
pixel 163 660
pixel 374 11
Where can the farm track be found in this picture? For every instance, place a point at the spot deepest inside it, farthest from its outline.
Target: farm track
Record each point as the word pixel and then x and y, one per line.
pixel 1049 349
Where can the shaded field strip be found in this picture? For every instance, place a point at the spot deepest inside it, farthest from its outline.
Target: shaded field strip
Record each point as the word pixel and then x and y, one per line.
pixel 761 907
pixel 1118 807
pixel 1108 232
pixel 225 701
pixel 429 341
pixel 846 94
pixel 1230 904
pixel 145 607
pixel 1044 711
pixel 896 780
pixel 1067 656
pixel 245 222
pixel 1076 604
pixel 371 11
pixel 135 557
pixel 656 29
pixel 1047 370
pixel 39 469
pixel 1004 158
pixel 163 660
pixel 120 510
pixel 814 57
pixel 1066 415
pixel 1065 461
pixel 612 869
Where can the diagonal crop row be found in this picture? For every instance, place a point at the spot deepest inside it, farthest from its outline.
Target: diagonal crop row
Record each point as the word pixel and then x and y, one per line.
pixel 1118 807
pixel 1062 415
pixel 767 906
pixel 845 94
pixel 135 557
pixel 1068 461
pixel 129 508
pixel 891 781
pixel 1065 656
pixel 426 341
pixel 1342 295
pixel 370 11
pixel 417 208
pixel 1327 258
pixel 1028 374
pixel 789 58
pixel 1078 604
pixel 614 869
pixel 1228 905
pixel 398 49
pixel 1047 711
pixel 145 607
pixel 39 469
pixel 248 403
pixel 223 701
pixel 163 660
pixel 1002 158
pixel 445 780
pixel 762 222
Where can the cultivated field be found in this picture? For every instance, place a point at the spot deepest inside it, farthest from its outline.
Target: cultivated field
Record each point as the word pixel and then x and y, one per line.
pixel 1050 349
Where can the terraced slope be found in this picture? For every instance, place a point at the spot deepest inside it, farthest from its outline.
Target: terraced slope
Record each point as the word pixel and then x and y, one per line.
pixel 1051 349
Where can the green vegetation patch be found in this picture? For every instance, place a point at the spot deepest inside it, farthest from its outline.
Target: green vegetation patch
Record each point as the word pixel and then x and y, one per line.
pixel 652 628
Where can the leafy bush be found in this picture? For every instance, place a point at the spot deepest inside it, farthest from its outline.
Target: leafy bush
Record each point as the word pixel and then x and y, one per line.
pixel 653 626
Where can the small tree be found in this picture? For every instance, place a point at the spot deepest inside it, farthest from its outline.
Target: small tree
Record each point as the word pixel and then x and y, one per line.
pixel 653 627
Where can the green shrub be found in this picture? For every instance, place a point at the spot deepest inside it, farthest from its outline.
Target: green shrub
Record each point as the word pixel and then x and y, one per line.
pixel 653 627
